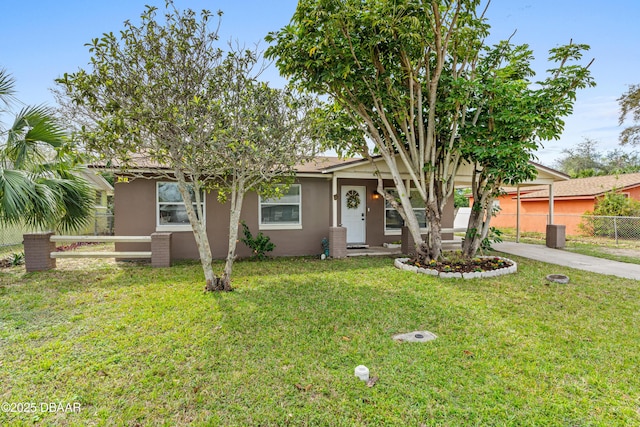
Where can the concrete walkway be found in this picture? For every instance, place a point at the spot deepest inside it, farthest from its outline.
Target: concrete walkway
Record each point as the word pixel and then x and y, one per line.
pixel 570 259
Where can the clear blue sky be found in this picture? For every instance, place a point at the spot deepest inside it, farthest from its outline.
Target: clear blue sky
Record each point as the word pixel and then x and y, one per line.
pixel 42 39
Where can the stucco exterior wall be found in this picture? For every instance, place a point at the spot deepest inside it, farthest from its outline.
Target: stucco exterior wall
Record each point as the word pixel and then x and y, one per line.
pixel 135 214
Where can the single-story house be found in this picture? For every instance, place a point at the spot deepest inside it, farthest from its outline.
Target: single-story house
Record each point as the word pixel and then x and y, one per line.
pixel 328 193
pixel 571 199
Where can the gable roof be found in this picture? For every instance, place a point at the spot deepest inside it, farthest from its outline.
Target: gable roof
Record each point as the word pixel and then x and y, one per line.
pixel 320 164
pixel 97 181
pixel 363 168
pixel 586 187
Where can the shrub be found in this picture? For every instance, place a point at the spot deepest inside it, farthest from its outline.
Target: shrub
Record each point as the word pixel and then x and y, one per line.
pixel 612 204
pixel 260 245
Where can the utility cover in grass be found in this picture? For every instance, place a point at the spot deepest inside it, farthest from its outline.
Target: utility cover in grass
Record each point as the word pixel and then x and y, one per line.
pixel 417 336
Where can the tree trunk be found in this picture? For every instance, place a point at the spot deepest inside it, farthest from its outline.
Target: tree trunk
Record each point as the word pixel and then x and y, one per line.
pixel 433 245
pixel 478 227
pixel 234 222
pixel 404 207
pixel 472 240
pixel 199 233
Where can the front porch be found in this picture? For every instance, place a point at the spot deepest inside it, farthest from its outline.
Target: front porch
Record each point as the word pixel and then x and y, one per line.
pixel 374 251
pixel 338 248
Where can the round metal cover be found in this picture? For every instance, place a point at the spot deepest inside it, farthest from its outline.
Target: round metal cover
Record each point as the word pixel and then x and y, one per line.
pixel 558 278
pixel 417 336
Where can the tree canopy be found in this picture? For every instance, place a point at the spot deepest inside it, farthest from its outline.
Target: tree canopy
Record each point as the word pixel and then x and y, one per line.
pixel 585 159
pixel 630 107
pixel 416 78
pixel 165 95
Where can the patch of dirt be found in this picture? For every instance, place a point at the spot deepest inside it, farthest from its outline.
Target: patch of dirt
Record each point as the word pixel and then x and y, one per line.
pixel 621 251
pixel 75 245
pixel 7 262
pixel 463 265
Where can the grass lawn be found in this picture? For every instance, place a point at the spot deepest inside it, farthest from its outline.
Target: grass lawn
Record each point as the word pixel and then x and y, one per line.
pixel 137 346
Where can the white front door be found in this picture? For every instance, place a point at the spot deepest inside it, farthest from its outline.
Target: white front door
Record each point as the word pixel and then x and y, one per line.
pixel 353 212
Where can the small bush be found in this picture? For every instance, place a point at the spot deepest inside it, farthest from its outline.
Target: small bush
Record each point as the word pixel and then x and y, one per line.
pixel 13 260
pixel 613 204
pixel 260 245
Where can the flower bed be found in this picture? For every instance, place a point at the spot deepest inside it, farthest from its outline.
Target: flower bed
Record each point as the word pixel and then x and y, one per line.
pixel 478 267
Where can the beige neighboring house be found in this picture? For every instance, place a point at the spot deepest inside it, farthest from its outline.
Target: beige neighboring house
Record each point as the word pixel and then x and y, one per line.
pixel 101 222
pixel 327 193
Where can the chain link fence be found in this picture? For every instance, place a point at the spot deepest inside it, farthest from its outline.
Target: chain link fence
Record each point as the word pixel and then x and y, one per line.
pixel 101 224
pixel 614 228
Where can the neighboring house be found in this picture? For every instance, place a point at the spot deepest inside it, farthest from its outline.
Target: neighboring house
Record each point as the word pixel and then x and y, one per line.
pixel 572 199
pixel 102 220
pixel 328 192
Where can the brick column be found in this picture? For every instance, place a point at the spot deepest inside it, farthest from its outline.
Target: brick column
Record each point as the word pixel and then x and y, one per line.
pixel 556 236
pixel 338 242
pixel 37 252
pixel 161 250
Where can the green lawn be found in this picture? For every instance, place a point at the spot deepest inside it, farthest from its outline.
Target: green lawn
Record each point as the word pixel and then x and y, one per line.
pixel 137 346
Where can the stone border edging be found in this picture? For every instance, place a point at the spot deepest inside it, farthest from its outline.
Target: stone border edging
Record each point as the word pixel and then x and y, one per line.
pixel 401 264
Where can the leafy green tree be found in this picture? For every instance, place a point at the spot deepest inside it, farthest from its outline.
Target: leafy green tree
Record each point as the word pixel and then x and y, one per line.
pixel 512 115
pixel 613 203
pixel 461 197
pixel 395 68
pixel 415 78
pixel 586 160
pixel 630 106
pixel 40 181
pixel 164 95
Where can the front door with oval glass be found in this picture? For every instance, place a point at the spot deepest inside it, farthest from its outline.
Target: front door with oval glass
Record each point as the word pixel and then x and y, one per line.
pixel 353 213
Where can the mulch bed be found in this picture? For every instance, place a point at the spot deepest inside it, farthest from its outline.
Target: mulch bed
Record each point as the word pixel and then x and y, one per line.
pixel 462 265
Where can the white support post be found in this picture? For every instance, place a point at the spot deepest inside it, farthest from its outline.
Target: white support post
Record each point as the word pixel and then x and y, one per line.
pixel 518 214
pixel 334 195
pixel 551 203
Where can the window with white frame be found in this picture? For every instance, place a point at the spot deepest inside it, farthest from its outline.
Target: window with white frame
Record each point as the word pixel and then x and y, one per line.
pixel 171 210
pixel 393 221
pixel 282 212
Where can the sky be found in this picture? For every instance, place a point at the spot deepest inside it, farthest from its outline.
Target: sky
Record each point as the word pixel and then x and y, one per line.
pixel 40 40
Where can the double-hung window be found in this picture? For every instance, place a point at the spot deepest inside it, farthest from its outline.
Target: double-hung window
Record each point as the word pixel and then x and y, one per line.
pixel 393 221
pixel 171 210
pixel 283 212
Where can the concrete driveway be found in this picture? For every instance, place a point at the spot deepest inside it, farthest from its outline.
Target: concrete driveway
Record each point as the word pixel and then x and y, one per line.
pixel 570 259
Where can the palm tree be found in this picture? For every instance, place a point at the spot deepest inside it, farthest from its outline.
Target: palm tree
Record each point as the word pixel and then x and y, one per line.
pixel 39 181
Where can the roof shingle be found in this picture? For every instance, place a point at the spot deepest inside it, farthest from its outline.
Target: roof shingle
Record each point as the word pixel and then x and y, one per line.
pixel 586 187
